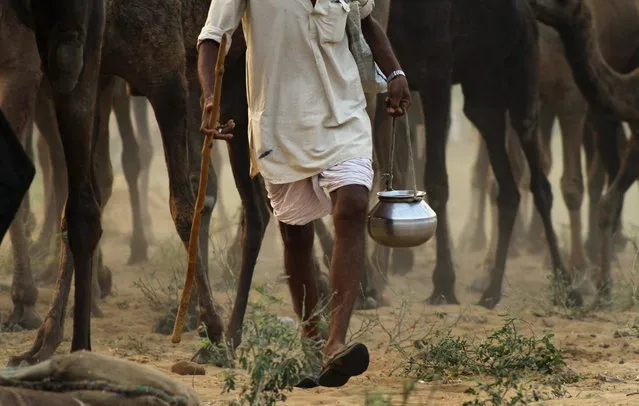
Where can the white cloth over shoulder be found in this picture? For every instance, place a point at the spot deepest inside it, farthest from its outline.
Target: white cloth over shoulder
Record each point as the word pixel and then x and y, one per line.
pixel 307 110
pixel 366 7
pixel 301 202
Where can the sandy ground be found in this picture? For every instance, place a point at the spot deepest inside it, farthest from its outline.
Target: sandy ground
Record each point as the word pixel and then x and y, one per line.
pixel 591 349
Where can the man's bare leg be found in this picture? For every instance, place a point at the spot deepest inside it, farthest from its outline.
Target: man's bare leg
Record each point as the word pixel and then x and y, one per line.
pixel 350 208
pixel 298 262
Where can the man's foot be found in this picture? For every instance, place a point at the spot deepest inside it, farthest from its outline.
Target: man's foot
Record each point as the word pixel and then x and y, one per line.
pixel 352 361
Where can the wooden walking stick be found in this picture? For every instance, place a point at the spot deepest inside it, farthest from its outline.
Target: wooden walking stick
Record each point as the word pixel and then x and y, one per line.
pixel 201 194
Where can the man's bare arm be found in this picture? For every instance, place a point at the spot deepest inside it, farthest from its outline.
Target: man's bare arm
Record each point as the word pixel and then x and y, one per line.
pixel 398 98
pixel 380 45
pixel 206 60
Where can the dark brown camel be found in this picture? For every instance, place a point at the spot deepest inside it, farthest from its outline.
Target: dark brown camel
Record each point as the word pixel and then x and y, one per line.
pixel 613 95
pixel 495 61
pixel 54 165
pixel 561 99
pixel 70 60
pixel 160 73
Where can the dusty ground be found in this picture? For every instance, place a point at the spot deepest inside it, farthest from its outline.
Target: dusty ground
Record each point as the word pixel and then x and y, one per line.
pixel 591 349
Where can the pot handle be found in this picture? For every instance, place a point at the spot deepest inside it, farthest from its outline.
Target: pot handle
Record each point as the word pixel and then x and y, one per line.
pixel 389 175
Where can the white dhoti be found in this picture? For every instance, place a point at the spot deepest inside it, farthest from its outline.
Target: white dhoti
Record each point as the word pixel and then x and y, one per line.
pixel 305 200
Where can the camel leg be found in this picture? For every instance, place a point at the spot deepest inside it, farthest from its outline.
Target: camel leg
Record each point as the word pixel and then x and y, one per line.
pixel 571 122
pixel 596 181
pixel 131 167
pixel 610 203
pixel 475 238
pixel 435 92
pixel 254 206
pixel 522 85
pixel 218 165
pixel 483 107
pixel 145 157
pixel 609 210
pixel 535 238
pixel 45 245
pixel 167 93
pixel 620 240
pixel 520 172
pixel 195 142
pixel 47 123
pixel 20 78
pixel 109 89
pixel 75 114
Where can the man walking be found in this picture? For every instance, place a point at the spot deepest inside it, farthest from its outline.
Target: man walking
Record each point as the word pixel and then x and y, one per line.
pixel 310 138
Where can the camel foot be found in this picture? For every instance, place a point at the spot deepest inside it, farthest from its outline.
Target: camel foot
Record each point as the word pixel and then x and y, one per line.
pixel 165 324
pixel 403 260
pixel 47 341
pixel 138 256
pixel 573 299
pixel 105 280
pixel 26 317
pixel 441 297
pixel 488 301
pixel 491 296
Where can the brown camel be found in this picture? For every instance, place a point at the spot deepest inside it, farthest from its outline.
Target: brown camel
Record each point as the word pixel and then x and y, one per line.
pixel 497 69
pixel 163 73
pixel 54 165
pixel 57 38
pixel 561 98
pixel 609 93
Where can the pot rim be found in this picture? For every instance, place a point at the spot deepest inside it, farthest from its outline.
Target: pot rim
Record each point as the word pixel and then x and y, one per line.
pixel 401 196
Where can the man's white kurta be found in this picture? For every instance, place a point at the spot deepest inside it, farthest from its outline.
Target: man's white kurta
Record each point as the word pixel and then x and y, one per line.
pixel 307 110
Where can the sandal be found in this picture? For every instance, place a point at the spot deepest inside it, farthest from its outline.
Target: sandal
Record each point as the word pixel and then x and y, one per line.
pixel 352 361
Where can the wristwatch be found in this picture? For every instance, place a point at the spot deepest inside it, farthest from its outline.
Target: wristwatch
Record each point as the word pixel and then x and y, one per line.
pixel 395 74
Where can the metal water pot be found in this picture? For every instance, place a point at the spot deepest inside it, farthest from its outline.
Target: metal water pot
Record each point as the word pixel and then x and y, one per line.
pixel 401 218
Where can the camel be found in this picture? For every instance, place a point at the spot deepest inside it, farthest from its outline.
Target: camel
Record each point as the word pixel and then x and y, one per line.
pixel 561 98
pixel 503 79
pixel 56 42
pixel 53 163
pixel 611 92
pixel 163 73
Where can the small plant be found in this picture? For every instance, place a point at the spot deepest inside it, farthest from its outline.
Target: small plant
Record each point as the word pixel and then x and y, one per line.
pixel 506 359
pixel 160 294
pixel 273 355
pixel 161 286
